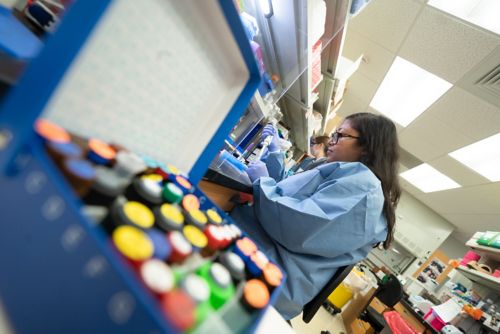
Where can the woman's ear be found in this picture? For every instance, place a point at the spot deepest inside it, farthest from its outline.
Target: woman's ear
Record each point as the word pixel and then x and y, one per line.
pixel 324 147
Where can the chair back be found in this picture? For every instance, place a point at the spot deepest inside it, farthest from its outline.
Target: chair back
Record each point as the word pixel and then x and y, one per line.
pixel 390 292
pixel 312 307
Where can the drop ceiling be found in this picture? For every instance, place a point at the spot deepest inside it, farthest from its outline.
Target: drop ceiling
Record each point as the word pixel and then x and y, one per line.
pixel 454 50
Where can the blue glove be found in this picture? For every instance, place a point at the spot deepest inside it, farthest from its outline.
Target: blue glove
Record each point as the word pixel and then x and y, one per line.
pixel 256 170
pixel 270 130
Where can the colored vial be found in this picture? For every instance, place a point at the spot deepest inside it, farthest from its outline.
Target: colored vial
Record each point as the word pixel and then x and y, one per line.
pixel 179 309
pixel 80 175
pixel 150 162
pixel 171 169
pixel 219 280
pixel 51 132
pixel 106 188
pixel 195 237
pixel 234 264
pixel 226 236
pixel 214 236
pixel 256 263
pixel 181 248
pixel 157 276
pixel 162 248
pixel 184 183
pixel 172 193
pixel 135 214
pixel 255 294
pixel 162 172
pixel 190 202
pixel 169 217
pixel 213 216
pixel 236 232
pixel 245 247
pixel 153 177
pixel 198 289
pixel 196 218
pixel 99 152
pixel 128 164
pixel 132 243
pixel 146 191
pixel 272 275
pixel 61 151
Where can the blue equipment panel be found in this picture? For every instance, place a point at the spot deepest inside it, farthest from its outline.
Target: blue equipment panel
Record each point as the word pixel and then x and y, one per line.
pixel 56 266
pixel 60 273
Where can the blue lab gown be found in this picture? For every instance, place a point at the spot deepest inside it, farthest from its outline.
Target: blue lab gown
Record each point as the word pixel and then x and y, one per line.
pixel 313 223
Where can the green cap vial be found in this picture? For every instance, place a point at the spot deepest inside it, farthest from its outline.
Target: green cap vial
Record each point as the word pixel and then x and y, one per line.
pixel 220 283
pixel 172 193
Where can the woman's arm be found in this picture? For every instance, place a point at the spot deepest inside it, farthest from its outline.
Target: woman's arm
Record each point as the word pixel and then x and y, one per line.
pixel 275 162
pixel 328 211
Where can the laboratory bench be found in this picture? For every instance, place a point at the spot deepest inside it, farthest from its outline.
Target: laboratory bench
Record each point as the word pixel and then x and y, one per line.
pixel 414 317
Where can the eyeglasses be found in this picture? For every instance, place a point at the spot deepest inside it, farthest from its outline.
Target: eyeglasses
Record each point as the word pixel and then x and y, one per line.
pixel 337 135
pixel 312 142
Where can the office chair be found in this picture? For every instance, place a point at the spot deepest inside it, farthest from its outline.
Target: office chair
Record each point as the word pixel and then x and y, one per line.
pixel 389 293
pixel 312 307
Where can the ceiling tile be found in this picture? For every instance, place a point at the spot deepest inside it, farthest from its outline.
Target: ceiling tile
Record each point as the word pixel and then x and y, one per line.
pixel 375 23
pixel 466 113
pixel 483 200
pixel 445 45
pixel 468 224
pixel 376 59
pixel 428 138
pixel 399 128
pixel 407 186
pixel 351 105
pixel 458 172
pixel 362 88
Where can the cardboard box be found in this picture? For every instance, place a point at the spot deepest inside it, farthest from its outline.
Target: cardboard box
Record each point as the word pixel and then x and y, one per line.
pixel 378 305
pixel 360 327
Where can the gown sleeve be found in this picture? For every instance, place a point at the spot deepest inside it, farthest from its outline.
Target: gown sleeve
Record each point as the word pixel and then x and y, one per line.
pixel 328 211
pixel 275 163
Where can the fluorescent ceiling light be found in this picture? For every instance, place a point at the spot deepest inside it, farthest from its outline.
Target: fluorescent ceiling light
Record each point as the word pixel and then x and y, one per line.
pixel 483 157
pixel 407 91
pixel 484 13
pixel 428 179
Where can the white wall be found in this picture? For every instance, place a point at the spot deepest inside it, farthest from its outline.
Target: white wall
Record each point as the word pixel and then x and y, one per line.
pixel 453 248
pixel 418 228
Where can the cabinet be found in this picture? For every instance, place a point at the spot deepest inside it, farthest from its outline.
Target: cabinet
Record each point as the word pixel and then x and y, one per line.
pixel 490 256
pixel 300 43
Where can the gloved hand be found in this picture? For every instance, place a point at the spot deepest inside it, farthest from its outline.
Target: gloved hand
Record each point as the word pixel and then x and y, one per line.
pixel 256 170
pixel 270 130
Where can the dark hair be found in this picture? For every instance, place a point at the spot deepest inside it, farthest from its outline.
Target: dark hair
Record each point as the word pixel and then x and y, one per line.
pixel 322 140
pixel 378 137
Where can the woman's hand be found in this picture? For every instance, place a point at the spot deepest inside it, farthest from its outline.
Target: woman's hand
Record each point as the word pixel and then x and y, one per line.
pixel 270 130
pixel 256 170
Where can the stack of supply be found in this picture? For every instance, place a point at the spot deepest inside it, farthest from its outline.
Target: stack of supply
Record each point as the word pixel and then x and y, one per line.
pixel 197 266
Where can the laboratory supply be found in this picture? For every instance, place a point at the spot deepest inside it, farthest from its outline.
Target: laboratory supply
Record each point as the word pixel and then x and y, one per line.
pixel 100 152
pixel 470 256
pixel 145 190
pixel 169 217
pixel 93 261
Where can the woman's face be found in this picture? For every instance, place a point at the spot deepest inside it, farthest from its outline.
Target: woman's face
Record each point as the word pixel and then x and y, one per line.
pixel 317 150
pixel 347 148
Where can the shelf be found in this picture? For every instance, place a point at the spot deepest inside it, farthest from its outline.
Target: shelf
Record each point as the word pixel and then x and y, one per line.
pixel 480 278
pixel 490 252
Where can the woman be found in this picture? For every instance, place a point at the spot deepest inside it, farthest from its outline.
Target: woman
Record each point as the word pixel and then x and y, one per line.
pixel 331 216
pixel 319 147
